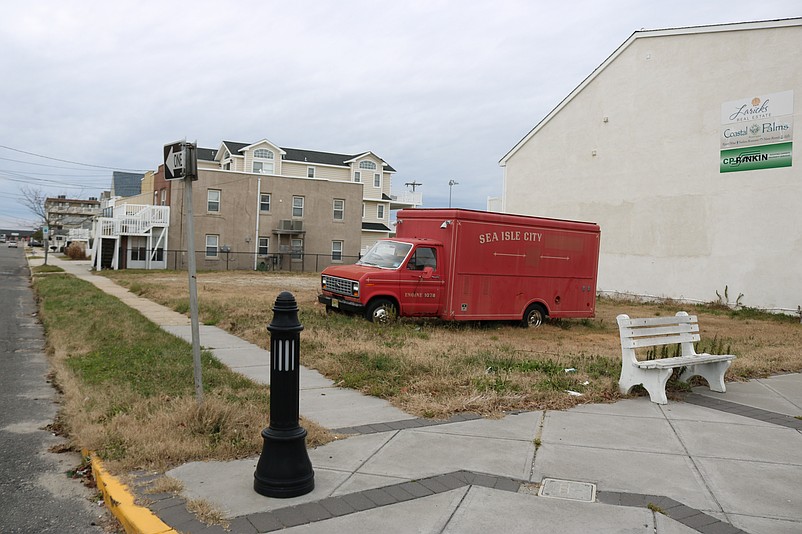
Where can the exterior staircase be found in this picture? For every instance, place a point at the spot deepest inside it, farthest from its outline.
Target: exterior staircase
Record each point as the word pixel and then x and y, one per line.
pixel 129 221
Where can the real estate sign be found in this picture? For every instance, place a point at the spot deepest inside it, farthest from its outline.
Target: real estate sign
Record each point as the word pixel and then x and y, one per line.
pixel 757 132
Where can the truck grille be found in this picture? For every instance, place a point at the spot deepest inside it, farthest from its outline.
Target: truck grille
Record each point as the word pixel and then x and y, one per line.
pixel 341 286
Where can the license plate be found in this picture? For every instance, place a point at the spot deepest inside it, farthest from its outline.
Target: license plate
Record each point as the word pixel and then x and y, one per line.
pixel 335 303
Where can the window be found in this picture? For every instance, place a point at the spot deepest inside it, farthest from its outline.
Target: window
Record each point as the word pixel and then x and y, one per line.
pixel 336 251
pixel 264 246
pixel 260 167
pixel 297 207
pixel 297 249
pixel 310 172
pixel 380 211
pixel 138 252
pixel 377 180
pixel 264 202
pixel 155 198
pixel 211 245
pixel 423 257
pixel 357 176
pixel 164 197
pixel 213 200
pixel 339 209
pixel 367 165
pixel 364 206
pixel 263 161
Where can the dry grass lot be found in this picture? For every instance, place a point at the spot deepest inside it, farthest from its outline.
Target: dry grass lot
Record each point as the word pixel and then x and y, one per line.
pixel 434 368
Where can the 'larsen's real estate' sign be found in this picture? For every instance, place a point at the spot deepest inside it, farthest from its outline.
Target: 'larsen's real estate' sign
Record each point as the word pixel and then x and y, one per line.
pixel 757 132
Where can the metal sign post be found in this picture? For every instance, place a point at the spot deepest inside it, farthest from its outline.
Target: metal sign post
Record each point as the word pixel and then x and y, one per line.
pixel 180 163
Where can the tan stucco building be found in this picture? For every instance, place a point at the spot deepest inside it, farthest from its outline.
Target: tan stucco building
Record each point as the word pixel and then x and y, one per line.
pixel 261 206
pixel 264 158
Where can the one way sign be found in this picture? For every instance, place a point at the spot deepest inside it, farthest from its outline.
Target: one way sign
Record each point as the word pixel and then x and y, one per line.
pixel 178 160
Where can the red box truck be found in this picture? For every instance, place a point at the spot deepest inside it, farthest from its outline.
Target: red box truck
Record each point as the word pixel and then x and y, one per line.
pixel 465 265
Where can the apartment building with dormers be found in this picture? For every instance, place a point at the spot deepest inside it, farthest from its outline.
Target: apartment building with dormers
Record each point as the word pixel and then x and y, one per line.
pixel 262 206
pixel 367 169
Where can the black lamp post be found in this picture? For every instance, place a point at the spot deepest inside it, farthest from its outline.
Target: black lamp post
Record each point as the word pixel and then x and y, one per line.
pixel 284 469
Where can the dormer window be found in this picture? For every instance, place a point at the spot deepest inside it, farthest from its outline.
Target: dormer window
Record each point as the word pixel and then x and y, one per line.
pixel 263 161
pixel 369 165
pixel 225 162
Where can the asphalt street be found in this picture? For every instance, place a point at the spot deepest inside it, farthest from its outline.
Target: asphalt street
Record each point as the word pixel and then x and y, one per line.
pixel 36 495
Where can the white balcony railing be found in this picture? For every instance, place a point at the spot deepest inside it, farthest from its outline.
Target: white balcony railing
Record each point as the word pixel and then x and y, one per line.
pixel 133 219
pixel 78 234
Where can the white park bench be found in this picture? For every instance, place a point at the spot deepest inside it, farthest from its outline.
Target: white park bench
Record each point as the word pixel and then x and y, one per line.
pixel 682 329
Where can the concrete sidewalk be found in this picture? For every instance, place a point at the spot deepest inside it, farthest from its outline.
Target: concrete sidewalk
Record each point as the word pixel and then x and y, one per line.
pixel 716 463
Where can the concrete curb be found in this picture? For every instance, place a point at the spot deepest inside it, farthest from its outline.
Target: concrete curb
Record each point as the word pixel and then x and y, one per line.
pixel 135 519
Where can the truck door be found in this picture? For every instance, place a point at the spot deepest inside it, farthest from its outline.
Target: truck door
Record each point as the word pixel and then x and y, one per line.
pixel 422 283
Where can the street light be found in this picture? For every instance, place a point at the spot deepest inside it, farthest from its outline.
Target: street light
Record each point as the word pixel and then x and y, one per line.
pixel 451 183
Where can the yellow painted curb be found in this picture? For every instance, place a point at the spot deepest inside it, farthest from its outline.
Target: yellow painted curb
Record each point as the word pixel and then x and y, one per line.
pixel 135 519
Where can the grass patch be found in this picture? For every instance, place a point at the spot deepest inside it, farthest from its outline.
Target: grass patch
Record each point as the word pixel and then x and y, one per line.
pixel 206 512
pixel 129 390
pixel 165 484
pixel 46 269
pixel 434 369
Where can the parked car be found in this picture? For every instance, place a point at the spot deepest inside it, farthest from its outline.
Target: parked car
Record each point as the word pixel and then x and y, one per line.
pixel 12 244
pixel 34 243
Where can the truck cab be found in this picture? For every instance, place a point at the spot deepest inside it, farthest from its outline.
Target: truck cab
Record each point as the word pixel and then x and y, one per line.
pixel 395 277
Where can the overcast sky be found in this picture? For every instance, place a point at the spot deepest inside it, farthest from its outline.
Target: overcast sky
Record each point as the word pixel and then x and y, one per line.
pixel 440 90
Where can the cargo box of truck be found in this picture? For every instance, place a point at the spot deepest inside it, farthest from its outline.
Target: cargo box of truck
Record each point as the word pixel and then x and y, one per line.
pixel 465 265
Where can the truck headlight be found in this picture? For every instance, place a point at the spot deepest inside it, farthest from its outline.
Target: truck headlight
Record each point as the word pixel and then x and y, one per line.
pixel 323 282
pixel 355 289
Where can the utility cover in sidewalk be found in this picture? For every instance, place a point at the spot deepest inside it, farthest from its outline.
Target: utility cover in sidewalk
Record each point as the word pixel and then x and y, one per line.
pixel 568 489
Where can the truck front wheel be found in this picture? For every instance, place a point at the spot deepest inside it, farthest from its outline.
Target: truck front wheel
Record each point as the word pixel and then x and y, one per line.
pixel 533 316
pixel 382 311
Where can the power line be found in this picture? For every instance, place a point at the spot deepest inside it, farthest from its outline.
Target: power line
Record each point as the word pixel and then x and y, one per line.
pixel 98 176
pixel 49 183
pixel 14 176
pixel 71 162
pixel 42 164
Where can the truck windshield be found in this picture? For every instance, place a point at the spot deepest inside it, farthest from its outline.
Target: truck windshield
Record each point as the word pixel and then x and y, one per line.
pixel 386 255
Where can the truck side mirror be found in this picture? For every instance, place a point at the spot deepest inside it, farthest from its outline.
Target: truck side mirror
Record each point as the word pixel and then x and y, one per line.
pixel 427 272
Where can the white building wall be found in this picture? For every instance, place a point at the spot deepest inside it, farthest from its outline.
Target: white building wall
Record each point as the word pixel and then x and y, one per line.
pixel 636 150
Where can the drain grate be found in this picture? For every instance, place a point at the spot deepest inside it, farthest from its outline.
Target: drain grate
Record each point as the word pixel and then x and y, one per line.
pixel 568 489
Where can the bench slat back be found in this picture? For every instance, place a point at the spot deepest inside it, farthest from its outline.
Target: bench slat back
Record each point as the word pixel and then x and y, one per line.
pixel 624 320
pixel 636 343
pixel 657 331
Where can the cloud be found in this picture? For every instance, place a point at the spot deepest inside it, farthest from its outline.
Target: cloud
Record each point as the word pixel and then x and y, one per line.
pixel 440 89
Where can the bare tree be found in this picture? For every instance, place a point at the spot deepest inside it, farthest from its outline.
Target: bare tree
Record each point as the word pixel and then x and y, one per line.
pixel 34 199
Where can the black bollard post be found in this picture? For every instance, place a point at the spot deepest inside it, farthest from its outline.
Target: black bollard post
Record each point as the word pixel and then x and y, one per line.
pixel 284 469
